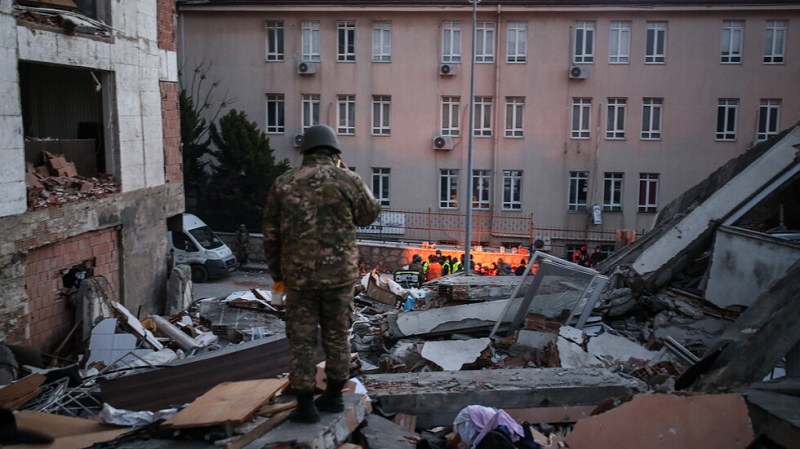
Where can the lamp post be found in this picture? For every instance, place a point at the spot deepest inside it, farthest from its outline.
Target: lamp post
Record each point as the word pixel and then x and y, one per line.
pixel 468 220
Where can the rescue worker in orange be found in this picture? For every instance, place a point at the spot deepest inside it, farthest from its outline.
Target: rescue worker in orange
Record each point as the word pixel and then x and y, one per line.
pixel 434 269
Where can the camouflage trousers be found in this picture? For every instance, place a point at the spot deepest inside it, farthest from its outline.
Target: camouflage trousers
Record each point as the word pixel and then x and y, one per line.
pixel 332 311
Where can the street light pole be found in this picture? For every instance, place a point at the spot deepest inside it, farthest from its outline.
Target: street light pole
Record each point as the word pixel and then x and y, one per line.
pixel 468 221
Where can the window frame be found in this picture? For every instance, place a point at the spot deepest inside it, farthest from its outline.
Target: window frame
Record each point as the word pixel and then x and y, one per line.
pixel 380 185
pixel 613 183
pixel 381 115
pixel 727 119
pixel 774 36
pixel 578 191
pixel 514 123
pixel 275 41
pixel 448 188
pixel 769 118
pixel 483 116
pixel 310 41
pixel 517 42
pixel 276 114
pixel 619 36
pixel 512 190
pixel 485 36
pixel 732 42
pixel 580 122
pixel 450 113
pixel 615 118
pixel 310 111
pixel 652 116
pixel 346 41
pixel 346 115
pixel 583 48
pixel 451 42
pixel 382 41
pixel 648 193
pixel 481 189
pixel 656 42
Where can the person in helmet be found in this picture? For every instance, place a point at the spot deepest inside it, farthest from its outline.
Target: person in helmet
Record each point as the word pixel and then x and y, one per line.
pixel 309 237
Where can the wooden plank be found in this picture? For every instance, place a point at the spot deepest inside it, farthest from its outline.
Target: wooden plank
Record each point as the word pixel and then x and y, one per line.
pixel 77 441
pixel 229 402
pixel 59 425
pixel 271 409
pixel 258 430
pixel 16 394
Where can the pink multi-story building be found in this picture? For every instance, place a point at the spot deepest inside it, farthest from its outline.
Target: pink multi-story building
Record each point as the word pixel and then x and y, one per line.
pixel 588 115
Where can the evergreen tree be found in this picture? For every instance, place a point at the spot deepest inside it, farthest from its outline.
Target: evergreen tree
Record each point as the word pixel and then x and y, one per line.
pixel 194 130
pixel 243 172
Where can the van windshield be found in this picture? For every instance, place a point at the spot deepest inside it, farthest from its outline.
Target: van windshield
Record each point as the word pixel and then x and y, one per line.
pixel 206 237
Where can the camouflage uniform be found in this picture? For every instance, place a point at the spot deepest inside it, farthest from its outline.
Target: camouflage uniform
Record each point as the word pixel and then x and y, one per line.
pixel 242 242
pixel 310 245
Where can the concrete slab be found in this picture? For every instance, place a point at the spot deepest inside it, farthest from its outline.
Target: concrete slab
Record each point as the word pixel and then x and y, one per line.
pixel 478 288
pixel 573 356
pixel 615 349
pixel 435 398
pixel 329 433
pixel 380 433
pixel 454 354
pixel 535 339
pixel 446 320
pixel 775 415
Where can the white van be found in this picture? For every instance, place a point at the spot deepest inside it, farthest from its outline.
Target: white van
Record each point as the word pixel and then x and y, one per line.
pixel 197 245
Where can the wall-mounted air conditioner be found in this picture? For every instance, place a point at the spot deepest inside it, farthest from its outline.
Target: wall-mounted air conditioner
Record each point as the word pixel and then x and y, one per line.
pixel 297 140
pixel 442 142
pixel 579 72
pixel 448 69
pixel 542 243
pixel 307 68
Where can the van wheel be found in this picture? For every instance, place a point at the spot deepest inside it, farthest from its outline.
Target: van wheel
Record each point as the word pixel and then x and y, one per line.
pixel 199 274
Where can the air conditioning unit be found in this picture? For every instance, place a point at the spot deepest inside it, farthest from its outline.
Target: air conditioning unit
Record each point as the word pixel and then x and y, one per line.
pixel 307 68
pixel 579 72
pixel 442 143
pixel 542 243
pixel 298 140
pixel 448 69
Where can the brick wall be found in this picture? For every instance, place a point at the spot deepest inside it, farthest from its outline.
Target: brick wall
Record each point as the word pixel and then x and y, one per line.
pixel 171 124
pixel 166 24
pixel 50 317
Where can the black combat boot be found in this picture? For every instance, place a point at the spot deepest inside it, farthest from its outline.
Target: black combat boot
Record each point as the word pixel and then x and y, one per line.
pixel 331 400
pixel 306 411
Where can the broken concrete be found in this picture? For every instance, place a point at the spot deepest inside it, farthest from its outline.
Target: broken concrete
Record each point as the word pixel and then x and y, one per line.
pixel 435 398
pixel 447 320
pixel 775 410
pixel 454 354
pixel 380 433
pixel 615 349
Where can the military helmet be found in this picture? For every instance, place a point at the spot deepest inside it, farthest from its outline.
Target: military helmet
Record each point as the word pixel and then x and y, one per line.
pixel 319 136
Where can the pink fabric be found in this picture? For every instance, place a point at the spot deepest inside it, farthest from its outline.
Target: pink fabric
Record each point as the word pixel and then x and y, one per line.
pixel 487 419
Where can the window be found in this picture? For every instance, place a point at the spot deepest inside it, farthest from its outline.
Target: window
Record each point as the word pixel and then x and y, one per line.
pixel 483 117
pixel 275 40
pixel 578 190
pixel 651 118
pixel 346 114
pixel 732 32
pixel 517 42
pixel 347 42
pixel 512 189
pixel 615 118
pixel 774 42
pixel 648 193
pixel 381 115
pixel 484 42
pixel 275 118
pixel 584 43
pixel 514 107
pixel 382 42
pixel 448 189
pixel 481 188
pixel 656 48
pixel 769 118
pixel 619 45
pixel 450 116
pixel 380 185
pixel 726 119
pixel 310 110
pixel 581 109
pixel 310 40
pixel 612 192
pixel 451 42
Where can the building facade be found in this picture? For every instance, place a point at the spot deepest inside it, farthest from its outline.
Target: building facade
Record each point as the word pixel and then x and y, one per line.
pixel 587 116
pixel 91 173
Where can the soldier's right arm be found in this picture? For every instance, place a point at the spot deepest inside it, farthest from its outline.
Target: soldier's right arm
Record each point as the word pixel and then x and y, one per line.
pixel 271 235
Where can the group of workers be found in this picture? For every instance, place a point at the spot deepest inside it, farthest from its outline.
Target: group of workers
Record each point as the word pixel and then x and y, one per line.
pixel 436 266
pixel 583 258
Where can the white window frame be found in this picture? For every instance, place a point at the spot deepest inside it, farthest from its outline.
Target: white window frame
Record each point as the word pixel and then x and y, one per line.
pixel 727 118
pixel 581 118
pixel 381 115
pixel 276 121
pixel 775 42
pixel 310 41
pixel 652 114
pixel 648 193
pixel 481 189
pixel 382 42
pixel 769 118
pixel 448 188
pixel 346 41
pixel 656 43
pixel 450 116
pixel 346 115
pixel 583 50
pixel 619 42
pixel 380 185
pixel 732 41
pixel 612 191
pixel 578 191
pixel 310 110
pixel 275 40
pixel 483 117
pixel 512 189
pixel 451 42
pixel 515 107
pixel 615 118
pixel 484 42
pixel 517 42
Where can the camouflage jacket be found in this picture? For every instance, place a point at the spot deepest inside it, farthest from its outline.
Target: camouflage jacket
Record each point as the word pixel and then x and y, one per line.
pixel 310 224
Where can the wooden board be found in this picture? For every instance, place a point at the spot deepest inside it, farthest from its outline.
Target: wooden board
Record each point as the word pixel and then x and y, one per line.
pixel 16 394
pixel 229 402
pixel 68 432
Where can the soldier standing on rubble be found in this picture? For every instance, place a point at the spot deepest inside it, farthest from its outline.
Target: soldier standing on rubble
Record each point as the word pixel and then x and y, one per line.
pixel 309 232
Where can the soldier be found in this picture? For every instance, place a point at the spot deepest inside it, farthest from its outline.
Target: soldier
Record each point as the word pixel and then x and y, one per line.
pixel 242 241
pixel 309 232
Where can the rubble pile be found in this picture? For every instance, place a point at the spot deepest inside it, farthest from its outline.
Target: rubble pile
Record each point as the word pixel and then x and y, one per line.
pixel 57 182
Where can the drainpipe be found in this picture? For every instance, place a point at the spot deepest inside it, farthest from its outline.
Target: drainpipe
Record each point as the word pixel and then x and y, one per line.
pixel 497 180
